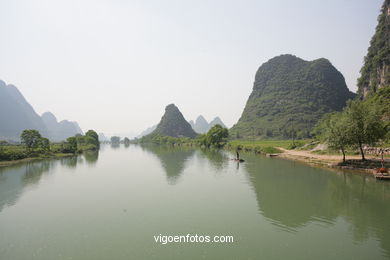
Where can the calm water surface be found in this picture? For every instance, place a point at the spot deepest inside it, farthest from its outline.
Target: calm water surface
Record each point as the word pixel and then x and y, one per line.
pixel 110 205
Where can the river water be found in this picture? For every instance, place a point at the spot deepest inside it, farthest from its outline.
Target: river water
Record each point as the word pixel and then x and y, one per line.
pixel 112 205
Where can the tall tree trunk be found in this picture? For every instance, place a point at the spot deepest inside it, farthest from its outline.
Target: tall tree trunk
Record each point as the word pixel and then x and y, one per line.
pixel 361 151
pixel 343 151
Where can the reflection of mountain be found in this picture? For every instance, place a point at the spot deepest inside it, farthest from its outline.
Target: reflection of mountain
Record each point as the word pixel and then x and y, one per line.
pixel 14 179
pixel 291 195
pixel 172 159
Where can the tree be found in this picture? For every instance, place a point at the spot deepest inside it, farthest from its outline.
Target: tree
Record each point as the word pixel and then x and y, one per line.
pixel 31 138
pixel 71 144
pixel 335 134
pixel 44 144
pixel 363 125
pixel 216 136
pixel 115 139
pixel 95 136
pixel 126 140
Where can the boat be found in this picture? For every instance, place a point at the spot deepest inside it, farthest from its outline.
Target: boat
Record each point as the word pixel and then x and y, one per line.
pixel 382 174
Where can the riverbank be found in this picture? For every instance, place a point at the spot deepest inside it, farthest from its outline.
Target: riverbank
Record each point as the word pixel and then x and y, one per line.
pixel 37 158
pixel 15 154
pixel 302 151
pixel 353 162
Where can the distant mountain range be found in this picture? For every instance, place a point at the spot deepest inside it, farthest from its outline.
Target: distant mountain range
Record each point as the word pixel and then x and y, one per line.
pixel 201 125
pixel 147 131
pixel 59 131
pixel 16 115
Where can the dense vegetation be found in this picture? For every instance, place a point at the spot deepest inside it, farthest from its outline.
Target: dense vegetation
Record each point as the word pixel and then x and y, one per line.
pixel 360 123
pixel 289 96
pixel 173 124
pixel 215 137
pixel 33 145
pixel 376 70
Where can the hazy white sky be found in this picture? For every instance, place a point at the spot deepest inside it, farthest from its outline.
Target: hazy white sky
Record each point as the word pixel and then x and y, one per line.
pixel 113 65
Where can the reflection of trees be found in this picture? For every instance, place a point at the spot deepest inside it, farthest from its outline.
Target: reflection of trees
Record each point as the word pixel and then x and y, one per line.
pixel 91 156
pixel 115 145
pixel 217 158
pixel 35 170
pixel 71 161
pixel 289 195
pixel 173 159
pixel 13 179
pixel 292 195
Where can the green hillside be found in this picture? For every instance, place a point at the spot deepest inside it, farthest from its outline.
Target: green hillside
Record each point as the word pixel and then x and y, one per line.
pixel 289 96
pixel 375 72
pixel 173 124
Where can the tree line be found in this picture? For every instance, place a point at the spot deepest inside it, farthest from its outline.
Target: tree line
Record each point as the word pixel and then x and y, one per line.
pixel 359 124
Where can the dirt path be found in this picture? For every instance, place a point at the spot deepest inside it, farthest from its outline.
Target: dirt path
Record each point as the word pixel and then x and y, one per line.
pixel 325 157
pixel 324 160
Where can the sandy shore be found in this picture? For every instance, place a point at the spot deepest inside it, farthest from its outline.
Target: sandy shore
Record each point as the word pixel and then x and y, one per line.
pixel 322 160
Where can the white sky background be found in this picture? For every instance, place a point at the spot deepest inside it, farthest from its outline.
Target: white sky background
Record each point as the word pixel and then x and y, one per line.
pixel 113 65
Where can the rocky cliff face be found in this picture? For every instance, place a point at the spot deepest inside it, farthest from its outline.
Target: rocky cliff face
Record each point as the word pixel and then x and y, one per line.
pixel 375 73
pixel 289 96
pixel 173 124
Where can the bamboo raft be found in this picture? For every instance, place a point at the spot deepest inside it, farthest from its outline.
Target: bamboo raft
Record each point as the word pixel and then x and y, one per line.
pixel 382 174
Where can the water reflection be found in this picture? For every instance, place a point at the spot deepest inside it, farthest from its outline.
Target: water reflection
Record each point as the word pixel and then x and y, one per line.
pixel 291 195
pixel 91 157
pixel 173 159
pixel 115 145
pixel 217 159
pixel 14 179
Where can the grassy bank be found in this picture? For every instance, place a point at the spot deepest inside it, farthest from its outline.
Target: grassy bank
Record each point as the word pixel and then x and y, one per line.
pixel 13 154
pixel 263 146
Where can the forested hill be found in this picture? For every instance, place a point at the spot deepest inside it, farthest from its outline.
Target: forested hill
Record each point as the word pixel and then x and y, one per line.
pixel 173 124
pixel 289 96
pixel 375 73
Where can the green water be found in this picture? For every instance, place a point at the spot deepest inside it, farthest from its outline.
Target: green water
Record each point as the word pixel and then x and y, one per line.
pixel 111 205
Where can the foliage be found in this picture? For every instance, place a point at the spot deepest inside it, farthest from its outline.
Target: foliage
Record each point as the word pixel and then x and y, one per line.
pixel 378 56
pixel 360 123
pixel 173 124
pixel 115 139
pixel 289 96
pixel 30 138
pixel 126 141
pixel 261 146
pixel 332 130
pixel 216 137
pixel 363 124
pixel 44 144
pixel 95 138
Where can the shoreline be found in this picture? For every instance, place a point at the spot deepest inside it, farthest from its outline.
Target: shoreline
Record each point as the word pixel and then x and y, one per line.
pixel 33 159
pixel 326 161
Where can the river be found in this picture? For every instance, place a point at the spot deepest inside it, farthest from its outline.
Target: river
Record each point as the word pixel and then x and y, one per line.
pixel 113 204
